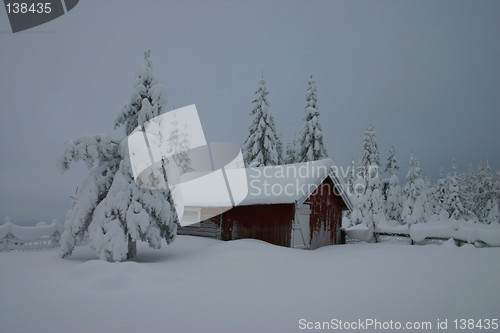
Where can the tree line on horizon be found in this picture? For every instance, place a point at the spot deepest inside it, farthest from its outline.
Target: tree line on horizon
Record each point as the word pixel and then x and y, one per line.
pixel 471 196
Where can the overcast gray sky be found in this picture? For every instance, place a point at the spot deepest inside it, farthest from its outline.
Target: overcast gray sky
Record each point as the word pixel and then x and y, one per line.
pixel 426 74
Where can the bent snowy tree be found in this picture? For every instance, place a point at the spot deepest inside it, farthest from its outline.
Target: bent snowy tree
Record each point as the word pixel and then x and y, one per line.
pixel 109 205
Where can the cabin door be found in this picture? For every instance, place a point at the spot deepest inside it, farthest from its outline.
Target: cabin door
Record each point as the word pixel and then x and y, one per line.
pixel 301 234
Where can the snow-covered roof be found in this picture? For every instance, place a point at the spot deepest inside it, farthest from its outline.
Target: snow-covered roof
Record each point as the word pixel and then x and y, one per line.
pixel 290 183
pixel 30 232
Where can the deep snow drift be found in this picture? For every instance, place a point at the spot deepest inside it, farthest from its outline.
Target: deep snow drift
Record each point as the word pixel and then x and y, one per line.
pixel 206 285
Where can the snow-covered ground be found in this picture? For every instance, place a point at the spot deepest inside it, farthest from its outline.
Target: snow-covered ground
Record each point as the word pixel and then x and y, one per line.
pixel 206 285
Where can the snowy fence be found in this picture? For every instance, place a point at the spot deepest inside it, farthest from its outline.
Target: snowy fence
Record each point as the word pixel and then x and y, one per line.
pixel 382 237
pixel 27 238
pixel 480 235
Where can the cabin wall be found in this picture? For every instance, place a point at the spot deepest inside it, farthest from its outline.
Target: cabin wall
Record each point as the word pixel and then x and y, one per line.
pixel 209 225
pixel 205 228
pixel 270 223
pixel 326 215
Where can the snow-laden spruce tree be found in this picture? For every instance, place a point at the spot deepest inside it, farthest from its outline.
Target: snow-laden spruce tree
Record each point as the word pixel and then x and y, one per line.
pixel 369 207
pixel 393 190
pixel 370 169
pixel 370 156
pixel 432 198
pixel 291 152
pixel 279 149
pixel 392 166
pixel 456 207
pixel 491 212
pixel 441 193
pixel 487 196
pixel 414 195
pixel 261 145
pixel 371 204
pixel 469 182
pixel 311 146
pixel 109 205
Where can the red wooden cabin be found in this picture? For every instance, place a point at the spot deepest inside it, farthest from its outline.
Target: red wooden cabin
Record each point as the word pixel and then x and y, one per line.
pixel 297 205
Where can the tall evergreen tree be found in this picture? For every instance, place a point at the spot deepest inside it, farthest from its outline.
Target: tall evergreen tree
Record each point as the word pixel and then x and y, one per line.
pixel 432 198
pixel 441 193
pixel 414 195
pixel 456 208
pixel 109 205
pixel 259 148
pixel 393 190
pixel 137 111
pixel 311 143
pixel 370 156
pixel 291 151
pixel 487 196
pixel 392 166
pixel 468 184
pixel 369 203
pixel 279 149
pixel 491 212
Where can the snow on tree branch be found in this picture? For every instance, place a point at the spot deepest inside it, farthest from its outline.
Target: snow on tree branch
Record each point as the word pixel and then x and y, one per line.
pixel 89 149
pixel 89 194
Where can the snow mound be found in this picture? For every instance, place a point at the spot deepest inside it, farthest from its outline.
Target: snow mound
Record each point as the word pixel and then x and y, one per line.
pixel 361 232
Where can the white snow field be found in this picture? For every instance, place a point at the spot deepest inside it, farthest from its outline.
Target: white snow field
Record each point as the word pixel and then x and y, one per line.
pixel 206 285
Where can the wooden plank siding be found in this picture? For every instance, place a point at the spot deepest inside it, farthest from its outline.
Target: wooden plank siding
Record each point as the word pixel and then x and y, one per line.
pixel 326 215
pixel 270 223
pixel 205 228
pixel 208 227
